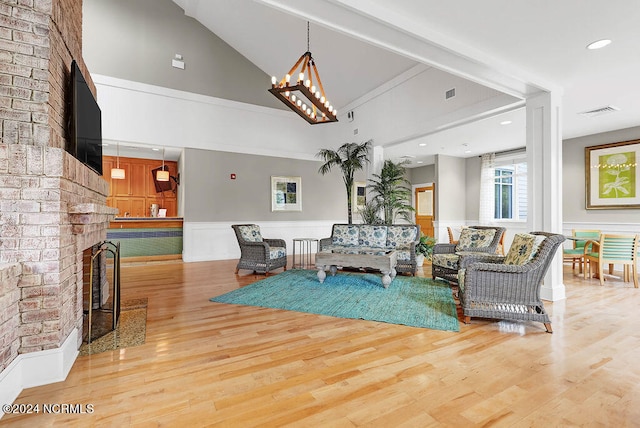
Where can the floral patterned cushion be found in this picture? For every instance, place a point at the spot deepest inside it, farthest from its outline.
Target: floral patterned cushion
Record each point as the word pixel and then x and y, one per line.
pixel 373 236
pixel 277 252
pixel 250 233
pixel 401 237
pixel 523 248
pixel 475 238
pixel 447 260
pixel 403 255
pixel 345 234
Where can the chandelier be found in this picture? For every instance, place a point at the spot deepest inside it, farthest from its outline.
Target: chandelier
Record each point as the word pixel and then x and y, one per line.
pixel 304 97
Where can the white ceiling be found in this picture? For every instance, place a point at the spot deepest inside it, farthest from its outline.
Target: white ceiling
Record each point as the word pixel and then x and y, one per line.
pixel 516 46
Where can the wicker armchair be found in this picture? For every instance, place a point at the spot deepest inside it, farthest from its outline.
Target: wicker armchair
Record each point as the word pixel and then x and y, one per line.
pixel 491 288
pixel 259 254
pixel 446 256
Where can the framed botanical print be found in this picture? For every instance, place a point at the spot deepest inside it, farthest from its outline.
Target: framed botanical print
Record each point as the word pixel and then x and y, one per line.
pixel 286 193
pixel 613 176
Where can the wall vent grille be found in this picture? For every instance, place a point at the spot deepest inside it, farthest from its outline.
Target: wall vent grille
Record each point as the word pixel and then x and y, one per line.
pixel 450 93
pixel 600 111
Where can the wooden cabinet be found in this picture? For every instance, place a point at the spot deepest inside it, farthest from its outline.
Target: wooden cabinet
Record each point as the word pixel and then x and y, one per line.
pixel 136 192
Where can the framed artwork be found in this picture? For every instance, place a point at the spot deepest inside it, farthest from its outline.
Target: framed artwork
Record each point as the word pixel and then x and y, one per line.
pixel 359 195
pixel 613 176
pixel 286 193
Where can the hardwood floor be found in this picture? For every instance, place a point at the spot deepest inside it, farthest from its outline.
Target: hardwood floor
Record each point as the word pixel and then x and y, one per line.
pixel 208 364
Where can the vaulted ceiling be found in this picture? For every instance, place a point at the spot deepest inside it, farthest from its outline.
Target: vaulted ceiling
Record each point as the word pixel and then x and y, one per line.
pixel 517 47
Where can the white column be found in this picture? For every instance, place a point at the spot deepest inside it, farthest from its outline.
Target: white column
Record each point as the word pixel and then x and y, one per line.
pixel 544 161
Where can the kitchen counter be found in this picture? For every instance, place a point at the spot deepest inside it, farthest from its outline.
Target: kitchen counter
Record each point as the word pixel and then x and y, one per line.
pixel 145 222
pixel 147 238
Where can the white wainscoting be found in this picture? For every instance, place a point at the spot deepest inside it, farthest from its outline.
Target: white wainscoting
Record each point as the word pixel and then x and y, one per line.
pixel 203 241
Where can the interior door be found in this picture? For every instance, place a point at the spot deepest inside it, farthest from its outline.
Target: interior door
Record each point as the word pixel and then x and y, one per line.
pixel 425 208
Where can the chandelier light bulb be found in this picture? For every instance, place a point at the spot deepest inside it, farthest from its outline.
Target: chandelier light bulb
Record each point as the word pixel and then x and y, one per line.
pixel 335 112
pixel 307 83
pixel 330 108
pixel 322 100
pixel 293 98
pixel 299 103
pixel 286 94
pixel 301 77
pixel 313 89
pixel 318 95
pixel 287 78
pixel 273 80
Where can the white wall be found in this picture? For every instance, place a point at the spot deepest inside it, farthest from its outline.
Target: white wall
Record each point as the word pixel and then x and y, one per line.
pixel 141 113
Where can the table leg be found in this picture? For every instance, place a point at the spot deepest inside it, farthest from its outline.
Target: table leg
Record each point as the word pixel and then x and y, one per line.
pixel 386 279
pixel 321 274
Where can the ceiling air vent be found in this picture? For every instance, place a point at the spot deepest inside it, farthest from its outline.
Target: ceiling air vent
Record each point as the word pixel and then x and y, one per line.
pixel 599 111
pixel 450 93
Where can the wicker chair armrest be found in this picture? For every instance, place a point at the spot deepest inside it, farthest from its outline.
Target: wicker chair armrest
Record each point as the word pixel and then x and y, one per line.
pixel 444 248
pixel 324 242
pixel 264 244
pixel 500 268
pixel 468 259
pixel 275 242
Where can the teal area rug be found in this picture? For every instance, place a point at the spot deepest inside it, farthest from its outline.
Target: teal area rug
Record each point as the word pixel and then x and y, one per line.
pixel 412 301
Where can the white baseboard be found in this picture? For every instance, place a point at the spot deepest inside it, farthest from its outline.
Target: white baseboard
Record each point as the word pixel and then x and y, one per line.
pixel 38 368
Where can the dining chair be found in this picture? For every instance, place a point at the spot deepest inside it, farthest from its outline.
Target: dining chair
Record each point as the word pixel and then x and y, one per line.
pixel 576 254
pixel 452 240
pixel 613 249
pixel 500 249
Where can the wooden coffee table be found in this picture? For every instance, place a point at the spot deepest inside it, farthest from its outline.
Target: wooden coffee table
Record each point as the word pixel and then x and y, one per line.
pixel 383 261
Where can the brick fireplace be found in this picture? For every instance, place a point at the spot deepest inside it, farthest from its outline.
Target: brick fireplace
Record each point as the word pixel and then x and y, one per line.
pixel 52 207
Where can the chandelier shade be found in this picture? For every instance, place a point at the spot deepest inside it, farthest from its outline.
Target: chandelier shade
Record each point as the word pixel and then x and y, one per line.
pixel 304 97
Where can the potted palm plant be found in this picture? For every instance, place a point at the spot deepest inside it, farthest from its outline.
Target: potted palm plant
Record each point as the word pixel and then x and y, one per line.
pixel 391 192
pixel 424 249
pixel 349 158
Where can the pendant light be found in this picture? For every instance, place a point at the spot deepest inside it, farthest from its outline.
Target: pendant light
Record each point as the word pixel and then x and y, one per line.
pixel 162 175
pixel 117 173
pixel 303 97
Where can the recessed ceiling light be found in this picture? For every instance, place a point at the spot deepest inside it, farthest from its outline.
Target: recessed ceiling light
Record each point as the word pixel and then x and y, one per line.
pixel 155 149
pixel 598 44
pixel 505 122
pixel 467 151
pixel 419 162
pixel 422 144
pixel 105 144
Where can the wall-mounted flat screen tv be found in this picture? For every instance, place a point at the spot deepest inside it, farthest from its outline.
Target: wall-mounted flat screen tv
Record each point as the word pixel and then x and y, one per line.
pixel 86 123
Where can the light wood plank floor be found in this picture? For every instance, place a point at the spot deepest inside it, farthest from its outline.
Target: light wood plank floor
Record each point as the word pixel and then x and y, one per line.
pixel 209 364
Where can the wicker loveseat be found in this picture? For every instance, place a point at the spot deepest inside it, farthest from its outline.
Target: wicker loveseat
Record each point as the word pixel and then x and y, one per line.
pixel 473 239
pixel 257 253
pixel 508 287
pixel 366 237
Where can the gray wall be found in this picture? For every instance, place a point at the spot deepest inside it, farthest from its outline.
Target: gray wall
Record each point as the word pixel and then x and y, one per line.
pixel 573 179
pixel 423 174
pixel 137 39
pixel 212 196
